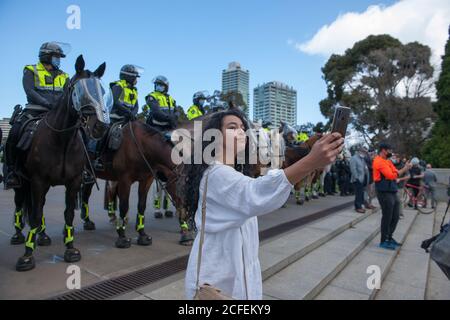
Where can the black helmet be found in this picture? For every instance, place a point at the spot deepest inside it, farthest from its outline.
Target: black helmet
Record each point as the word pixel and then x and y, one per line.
pixel 49 49
pixel 267 124
pixel 161 80
pixel 130 72
pixel 199 96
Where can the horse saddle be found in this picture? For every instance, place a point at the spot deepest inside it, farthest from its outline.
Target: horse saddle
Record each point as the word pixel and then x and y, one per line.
pixel 27 132
pixel 115 136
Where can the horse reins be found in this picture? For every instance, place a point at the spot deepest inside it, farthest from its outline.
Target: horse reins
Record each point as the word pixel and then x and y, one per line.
pixel 138 146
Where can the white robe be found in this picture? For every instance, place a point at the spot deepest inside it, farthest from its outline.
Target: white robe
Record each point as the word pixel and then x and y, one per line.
pixel 233 202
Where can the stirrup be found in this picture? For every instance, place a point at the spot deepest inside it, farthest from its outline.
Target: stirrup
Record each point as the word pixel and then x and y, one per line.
pixel 87 177
pixel 12 184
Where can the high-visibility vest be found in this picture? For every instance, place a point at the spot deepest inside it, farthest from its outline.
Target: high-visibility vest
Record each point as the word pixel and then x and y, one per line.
pixel 44 80
pixel 129 94
pixel 194 112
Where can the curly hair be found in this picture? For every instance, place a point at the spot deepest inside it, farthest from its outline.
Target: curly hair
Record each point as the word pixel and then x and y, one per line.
pixel 193 173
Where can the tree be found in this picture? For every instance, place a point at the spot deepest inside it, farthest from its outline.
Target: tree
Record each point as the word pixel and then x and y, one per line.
pixel 387 85
pixel 437 149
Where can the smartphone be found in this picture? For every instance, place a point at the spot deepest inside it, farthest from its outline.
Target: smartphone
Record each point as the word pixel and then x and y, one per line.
pixel 340 120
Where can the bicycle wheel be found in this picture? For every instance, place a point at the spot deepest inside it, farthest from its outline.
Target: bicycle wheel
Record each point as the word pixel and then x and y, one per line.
pixel 425 205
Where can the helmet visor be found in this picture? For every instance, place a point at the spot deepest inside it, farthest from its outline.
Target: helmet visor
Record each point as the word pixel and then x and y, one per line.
pixel 138 71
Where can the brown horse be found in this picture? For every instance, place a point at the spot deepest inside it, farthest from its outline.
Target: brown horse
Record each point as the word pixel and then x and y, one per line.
pixel 295 152
pixel 57 157
pixel 144 153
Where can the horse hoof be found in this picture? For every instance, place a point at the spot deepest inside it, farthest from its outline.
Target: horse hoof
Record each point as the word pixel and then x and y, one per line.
pixel 300 202
pixel 123 243
pixel 158 215
pixel 44 240
pixel 89 225
pixel 186 239
pixel 168 214
pixel 306 198
pixel 18 238
pixel 323 195
pixel 315 197
pixel 72 255
pixel 25 263
pixel 144 240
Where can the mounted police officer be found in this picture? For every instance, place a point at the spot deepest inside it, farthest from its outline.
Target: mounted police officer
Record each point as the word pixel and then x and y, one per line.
pixel 125 105
pixel 44 85
pixel 161 107
pixel 197 109
pixel 161 110
pixel 125 94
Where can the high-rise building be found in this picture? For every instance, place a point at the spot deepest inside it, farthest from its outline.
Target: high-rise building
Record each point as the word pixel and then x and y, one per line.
pixel 5 126
pixel 275 101
pixel 236 79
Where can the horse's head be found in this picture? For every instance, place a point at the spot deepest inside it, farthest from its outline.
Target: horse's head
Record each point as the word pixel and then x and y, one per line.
pixel 289 133
pixel 89 98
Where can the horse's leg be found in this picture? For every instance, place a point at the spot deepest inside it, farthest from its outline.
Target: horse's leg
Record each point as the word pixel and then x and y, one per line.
pixel 111 200
pixel 157 202
pixel 85 195
pixel 124 194
pixel 298 196
pixel 43 239
pixel 35 208
pixel 71 254
pixel 144 186
pixel 166 205
pixel 19 223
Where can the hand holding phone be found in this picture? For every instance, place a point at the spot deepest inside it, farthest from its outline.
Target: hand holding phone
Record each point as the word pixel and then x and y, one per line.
pixel 340 120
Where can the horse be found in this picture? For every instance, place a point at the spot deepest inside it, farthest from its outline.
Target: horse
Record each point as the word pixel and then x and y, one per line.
pixel 57 157
pixel 295 152
pixel 144 154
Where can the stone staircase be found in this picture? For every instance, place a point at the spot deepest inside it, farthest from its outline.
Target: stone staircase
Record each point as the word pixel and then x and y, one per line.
pixel 329 259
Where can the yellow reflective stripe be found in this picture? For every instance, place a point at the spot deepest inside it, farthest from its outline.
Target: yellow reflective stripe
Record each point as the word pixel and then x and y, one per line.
pixel 140 224
pixel 31 239
pixel 111 207
pixel 184 225
pixel 157 203
pixel 17 223
pixel 86 208
pixel 69 236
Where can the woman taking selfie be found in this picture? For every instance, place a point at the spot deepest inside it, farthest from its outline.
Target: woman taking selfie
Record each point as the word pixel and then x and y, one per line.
pixel 229 259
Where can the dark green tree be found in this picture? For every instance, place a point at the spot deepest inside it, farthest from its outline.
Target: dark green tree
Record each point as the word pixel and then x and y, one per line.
pixel 437 149
pixel 387 85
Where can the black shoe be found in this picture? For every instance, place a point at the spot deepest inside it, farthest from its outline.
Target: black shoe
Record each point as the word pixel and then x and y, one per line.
pixel 12 181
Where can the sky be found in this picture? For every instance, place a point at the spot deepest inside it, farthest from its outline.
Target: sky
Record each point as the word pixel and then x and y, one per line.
pixel 191 42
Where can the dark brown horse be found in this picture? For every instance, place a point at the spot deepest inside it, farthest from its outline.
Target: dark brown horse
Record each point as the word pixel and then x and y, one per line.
pixel 57 157
pixel 144 153
pixel 295 152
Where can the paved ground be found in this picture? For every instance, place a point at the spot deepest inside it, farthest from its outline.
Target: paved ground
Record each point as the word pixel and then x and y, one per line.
pixel 100 259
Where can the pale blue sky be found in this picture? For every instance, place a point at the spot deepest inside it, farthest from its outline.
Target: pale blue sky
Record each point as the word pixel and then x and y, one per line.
pixel 189 42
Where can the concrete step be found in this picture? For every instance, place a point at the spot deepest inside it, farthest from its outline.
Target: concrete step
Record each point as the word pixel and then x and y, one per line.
pixel 407 278
pixel 351 282
pixel 305 278
pixel 276 254
pixel 438 285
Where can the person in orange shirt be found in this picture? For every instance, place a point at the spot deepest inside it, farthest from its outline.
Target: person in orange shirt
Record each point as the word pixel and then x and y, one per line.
pixel 385 176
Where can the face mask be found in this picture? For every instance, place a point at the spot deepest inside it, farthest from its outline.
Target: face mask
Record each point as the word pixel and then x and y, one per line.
pixel 160 88
pixel 201 102
pixel 56 61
